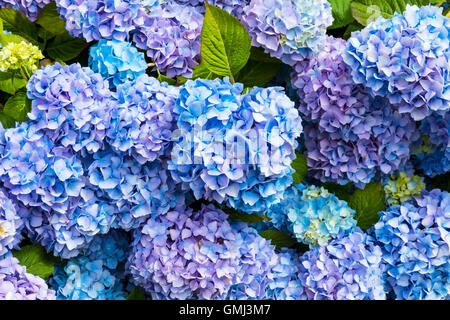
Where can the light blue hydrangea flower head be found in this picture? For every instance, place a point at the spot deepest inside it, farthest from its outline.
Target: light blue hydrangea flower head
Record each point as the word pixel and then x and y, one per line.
pixel 17 284
pixel 234 147
pixel 185 254
pixel 71 105
pixel 312 214
pixel 117 61
pixel 101 19
pixel 290 30
pixel 10 224
pixel 97 274
pixel 171 36
pixel 414 238
pixel 142 119
pixel 402 187
pixel 431 152
pixel 350 267
pixel 405 59
pixel 30 8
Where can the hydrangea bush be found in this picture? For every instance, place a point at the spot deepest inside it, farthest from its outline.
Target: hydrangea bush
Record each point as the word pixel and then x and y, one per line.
pixel 224 150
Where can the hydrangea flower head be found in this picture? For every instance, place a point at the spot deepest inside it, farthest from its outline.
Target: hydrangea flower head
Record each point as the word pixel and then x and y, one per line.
pixel 185 254
pixel 142 119
pixel 101 19
pixel 17 284
pixel 171 36
pixel 30 8
pixel 234 7
pixel 10 224
pixel 405 59
pixel 117 61
pixel 290 30
pixel 348 268
pixel 414 238
pixel 402 188
pixel 15 56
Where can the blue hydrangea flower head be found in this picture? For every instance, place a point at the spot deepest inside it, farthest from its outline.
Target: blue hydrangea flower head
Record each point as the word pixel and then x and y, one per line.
pixel 405 59
pixel 17 284
pixel 117 61
pixel 101 19
pixel 30 8
pixel 185 254
pixel 290 30
pixel 95 275
pixel 142 119
pixel 10 224
pixel 414 238
pixel 350 267
pixel 400 188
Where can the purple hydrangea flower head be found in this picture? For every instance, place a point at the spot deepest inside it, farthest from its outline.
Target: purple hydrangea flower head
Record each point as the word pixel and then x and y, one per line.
pixel 171 36
pixel 234 147
pixel 137 191
pixel 185 254
pixel 10 224
pixel 432 150
pixel 348 268
pixel 17 284
pixel 30 8
pixel 117 61
pixel 405 59
pixel 414 238
pixel 142 119
pixel 234 7
pixel 95 275
pixel 290 30
pixel 71 105
pixel 101 19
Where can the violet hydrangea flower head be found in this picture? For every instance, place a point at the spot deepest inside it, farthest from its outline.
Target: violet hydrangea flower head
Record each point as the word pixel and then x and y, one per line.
pixel 402 187
pixel 142 119
pixel 95 275
pixel 171 36
pixel 101 19
pixel 117 61
pixel 290 30
pixel 10 224
pixel 414 238
pixel 71 105
pixel 405 59
pixel 350 267
pixel 234 147
pixel 17 284
pixel 30 8
pixel 185 254
pixel 431 152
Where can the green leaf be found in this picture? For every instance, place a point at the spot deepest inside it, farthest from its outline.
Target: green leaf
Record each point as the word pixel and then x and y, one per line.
pixel 163 78
pixel 17 107
pixel 258 54
pixel 278 238
pixel 256 73
pixel 200 71
pixel 441 181
pixel 225 44
pixel 11 81
pixel 367 203
pixel 50 20
pixel 300 166
pixel 355 26
pixel 1 26
pixel 367 11
pixel 64 47
pixel 7 38
pixel 36 259
pixel 17 23
pixel 342 192
pixel 7 121
pixel 136 294
pixel 342 13
pixel 243 216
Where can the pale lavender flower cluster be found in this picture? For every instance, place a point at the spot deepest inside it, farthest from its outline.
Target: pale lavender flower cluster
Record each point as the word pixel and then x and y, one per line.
pixel 233 147
pixel 290 30
pixel 17 284
pixel 101 19
pixel 171 35
pixel 348 268
pixel 30 8
pixel 415 240
pixel 405 59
